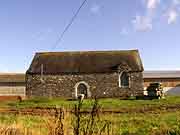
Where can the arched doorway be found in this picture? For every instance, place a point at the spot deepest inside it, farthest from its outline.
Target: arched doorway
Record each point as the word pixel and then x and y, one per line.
pixel 82 88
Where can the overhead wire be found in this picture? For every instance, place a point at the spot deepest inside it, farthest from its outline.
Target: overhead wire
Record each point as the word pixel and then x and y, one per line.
pixel 59 40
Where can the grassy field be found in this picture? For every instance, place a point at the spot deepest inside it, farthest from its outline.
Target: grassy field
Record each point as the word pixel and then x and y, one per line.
pixel 22 125
pixel 154 122
pixel 106 124
pixel 87 103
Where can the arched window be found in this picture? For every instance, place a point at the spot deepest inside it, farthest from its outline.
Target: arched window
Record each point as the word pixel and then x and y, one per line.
pixel 124 79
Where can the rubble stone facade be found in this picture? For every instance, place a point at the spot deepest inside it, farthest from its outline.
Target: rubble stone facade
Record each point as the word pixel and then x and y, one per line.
pixel 99 85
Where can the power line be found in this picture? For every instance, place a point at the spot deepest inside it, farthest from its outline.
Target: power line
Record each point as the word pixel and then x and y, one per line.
pixel 68 25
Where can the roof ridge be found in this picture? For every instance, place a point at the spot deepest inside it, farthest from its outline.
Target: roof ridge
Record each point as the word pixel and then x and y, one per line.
pixel 96 51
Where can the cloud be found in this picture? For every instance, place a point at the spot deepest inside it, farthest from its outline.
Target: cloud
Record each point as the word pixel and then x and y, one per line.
pixel 95 9
pixel 142 23
pixel 152 4
pixel 172 16
pixel 145 22
pixel 176 2
pixel 172 13
pixel 155 10
pixel 124 31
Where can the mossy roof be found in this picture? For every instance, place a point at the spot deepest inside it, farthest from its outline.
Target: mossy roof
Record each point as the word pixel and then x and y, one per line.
pixel 84 61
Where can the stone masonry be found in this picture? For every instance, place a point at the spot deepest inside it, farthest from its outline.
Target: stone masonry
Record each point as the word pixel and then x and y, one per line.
pixel 100 85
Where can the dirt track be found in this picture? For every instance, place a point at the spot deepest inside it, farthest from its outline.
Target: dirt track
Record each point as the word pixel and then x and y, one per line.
pixel 52 111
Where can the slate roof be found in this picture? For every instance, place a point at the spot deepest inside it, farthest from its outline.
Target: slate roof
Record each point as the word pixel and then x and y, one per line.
pixel 83 61
pixel 12 77
pixel 161 74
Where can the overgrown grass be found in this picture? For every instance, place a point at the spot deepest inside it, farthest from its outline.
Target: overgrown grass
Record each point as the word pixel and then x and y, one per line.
pixel 144 124
pixel 159 123
pixel 21 125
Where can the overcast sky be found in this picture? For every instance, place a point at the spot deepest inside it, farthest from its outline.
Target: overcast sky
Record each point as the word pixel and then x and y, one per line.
pixel 151 26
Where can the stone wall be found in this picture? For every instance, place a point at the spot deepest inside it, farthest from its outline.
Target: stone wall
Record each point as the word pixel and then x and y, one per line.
pixel 100 85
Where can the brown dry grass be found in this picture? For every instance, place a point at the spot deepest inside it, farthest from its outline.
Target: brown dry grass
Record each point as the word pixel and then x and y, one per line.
pixel 62 122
